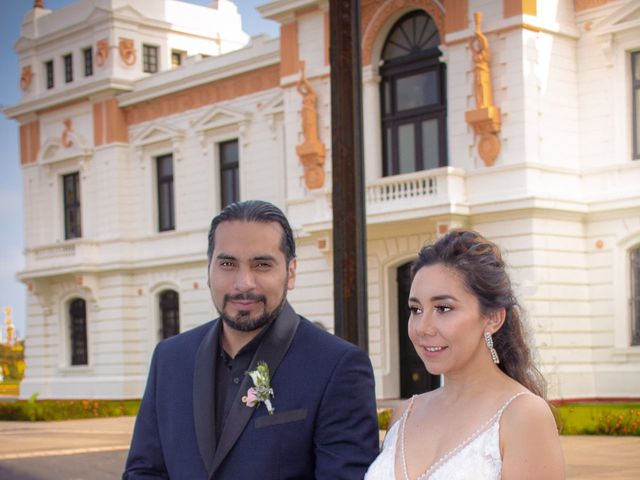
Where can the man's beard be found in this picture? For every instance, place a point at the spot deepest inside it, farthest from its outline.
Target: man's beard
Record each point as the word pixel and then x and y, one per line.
pixel 242 321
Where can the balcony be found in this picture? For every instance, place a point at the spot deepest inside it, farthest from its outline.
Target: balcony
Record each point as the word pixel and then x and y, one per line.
pixel 412 195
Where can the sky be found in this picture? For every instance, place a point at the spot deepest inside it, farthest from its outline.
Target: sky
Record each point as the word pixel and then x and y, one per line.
pixel 13 292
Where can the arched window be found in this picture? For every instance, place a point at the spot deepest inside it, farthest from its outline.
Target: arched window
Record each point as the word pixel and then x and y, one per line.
pixel 413 96
pixel 635 296
pixel 169 313
pixel 78 332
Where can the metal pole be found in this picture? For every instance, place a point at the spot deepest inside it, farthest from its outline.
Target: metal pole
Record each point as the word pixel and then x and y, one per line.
pixel 349 224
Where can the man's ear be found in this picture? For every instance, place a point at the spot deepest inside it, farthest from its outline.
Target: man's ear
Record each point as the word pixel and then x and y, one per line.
pixel 291 270
pixel 495 320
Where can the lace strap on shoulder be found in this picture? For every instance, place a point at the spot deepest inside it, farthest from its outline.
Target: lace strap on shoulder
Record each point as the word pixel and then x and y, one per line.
pixel 508 402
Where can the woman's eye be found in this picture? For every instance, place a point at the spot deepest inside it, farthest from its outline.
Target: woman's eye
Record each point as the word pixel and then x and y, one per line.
pixel 415 310
pixel 442 308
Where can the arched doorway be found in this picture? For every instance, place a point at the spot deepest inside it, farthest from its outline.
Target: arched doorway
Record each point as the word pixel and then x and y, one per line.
pixel 169 314
pixel 414 378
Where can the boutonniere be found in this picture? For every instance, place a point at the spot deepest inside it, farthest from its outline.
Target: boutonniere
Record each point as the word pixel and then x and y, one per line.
pixel 261 390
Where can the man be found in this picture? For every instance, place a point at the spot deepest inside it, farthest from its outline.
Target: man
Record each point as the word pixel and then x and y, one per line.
pixel 311 416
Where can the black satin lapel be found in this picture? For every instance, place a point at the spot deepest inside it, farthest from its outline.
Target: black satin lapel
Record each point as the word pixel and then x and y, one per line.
pixel 204 396
pixel 271 350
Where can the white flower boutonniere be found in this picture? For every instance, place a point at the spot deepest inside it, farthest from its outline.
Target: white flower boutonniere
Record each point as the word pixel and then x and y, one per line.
pixel 261 390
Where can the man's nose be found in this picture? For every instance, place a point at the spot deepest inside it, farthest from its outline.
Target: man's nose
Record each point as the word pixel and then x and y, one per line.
pixel 245 280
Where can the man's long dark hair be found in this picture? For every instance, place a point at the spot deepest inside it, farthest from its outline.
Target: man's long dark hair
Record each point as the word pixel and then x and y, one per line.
pixel 479 263
pixel 255 211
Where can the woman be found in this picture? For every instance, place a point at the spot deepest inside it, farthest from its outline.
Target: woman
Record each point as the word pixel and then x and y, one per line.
pixel 489 420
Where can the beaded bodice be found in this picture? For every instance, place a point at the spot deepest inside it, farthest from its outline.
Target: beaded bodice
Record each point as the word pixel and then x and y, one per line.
pixel 477 457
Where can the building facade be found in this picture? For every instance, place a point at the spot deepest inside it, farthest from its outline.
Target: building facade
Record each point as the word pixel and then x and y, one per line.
pixel 140 120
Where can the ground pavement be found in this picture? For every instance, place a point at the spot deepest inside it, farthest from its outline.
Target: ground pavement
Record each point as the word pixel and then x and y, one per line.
pixel 95 449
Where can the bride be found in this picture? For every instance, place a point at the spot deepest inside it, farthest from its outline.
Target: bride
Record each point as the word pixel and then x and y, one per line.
pixel 490 419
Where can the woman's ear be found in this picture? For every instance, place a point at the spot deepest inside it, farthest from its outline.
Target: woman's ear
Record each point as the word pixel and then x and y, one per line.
pixel 495 320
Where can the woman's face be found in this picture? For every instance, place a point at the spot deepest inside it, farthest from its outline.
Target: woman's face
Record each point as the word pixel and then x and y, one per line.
pixel 445 324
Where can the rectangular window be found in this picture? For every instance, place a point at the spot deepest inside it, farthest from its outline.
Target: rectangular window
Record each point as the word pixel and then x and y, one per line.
pixel 164 169
pixel 71 198
pixel 48 67
pixel 229 173
pixel 87 54
pixel 635 296
pixel 149 59
pixel 177 56
pixel 68 68
pixel 635 85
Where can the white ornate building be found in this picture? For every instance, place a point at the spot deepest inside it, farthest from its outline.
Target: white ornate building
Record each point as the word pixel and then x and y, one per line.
pixel 140 119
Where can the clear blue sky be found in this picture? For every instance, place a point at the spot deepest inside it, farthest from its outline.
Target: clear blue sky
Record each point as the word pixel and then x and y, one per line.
pixel 12 292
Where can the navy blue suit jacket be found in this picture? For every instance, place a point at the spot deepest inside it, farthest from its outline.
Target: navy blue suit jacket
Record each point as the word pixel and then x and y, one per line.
pixel 324 425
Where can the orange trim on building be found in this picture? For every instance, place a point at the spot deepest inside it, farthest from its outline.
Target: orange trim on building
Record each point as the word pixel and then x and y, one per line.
pixel 29 142
pixel 304 11
pixel 457 15
pixel 98 124
pixel 210 93
pixel 289 49
pixel 374 16
pixel 587 4
pixel 327 38
pixel 498 31
pixel 511 8
pixel 116 128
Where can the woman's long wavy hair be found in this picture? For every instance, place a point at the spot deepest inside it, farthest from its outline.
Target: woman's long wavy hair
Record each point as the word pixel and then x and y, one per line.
pixel 479 262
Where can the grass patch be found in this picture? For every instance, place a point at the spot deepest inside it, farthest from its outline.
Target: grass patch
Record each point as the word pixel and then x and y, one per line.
pixel 599 418
pixel 43 410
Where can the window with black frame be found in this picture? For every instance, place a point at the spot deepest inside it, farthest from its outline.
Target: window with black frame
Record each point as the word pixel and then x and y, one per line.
pixel 48 67
pixel 87 53
pixel 169 313
pixel 149 59
pixel 413 97
pixel 229 173
pixel 635 296
pixel 635 86
pixel 78 332
pixel 72 211
pixel 68 68
pixel 166 214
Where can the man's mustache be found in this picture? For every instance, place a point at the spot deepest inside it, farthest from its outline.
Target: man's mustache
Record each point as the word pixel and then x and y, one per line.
pixel 253 297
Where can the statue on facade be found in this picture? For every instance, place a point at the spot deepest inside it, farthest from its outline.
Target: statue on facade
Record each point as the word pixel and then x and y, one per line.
pixel 485 118
pixel 311 151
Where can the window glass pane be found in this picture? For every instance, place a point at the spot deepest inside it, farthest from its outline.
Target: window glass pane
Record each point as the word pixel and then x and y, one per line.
pixel 389 170
pixel 88 61
pixel 387 97
pixel 406 148
pixel 417 90
pixel 169 313
pixel 165 205
pixel 229 153
pixel 430 139
pixel 78 332
pixel 165 166
pixel 415 32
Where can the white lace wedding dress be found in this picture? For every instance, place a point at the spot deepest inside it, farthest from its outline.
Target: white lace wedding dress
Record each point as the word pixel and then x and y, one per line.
pixel 477 458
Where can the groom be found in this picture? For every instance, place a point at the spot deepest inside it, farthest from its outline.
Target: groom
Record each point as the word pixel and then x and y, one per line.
pixel 202 417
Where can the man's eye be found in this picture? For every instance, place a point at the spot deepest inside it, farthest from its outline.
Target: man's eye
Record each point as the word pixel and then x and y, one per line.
pixel 226 264
pixel 263 266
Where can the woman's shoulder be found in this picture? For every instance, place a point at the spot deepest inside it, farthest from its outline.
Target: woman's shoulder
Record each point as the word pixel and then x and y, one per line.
pixel 525 408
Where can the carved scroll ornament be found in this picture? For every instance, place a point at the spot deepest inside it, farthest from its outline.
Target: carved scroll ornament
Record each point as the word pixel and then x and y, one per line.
pixel 311 152
pixel 102 52
pixel 127 51
pixel 25 78
pixel 485 118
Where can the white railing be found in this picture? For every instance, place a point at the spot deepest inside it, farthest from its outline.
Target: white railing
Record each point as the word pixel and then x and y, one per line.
pixel 400 188
pixel 54 251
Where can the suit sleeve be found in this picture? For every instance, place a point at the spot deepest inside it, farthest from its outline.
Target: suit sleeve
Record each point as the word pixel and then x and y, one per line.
pixel 145 458
pixel 346 436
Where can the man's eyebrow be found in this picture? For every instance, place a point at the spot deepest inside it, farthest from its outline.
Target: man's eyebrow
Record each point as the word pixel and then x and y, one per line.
pixel 269 258
pixel 225 256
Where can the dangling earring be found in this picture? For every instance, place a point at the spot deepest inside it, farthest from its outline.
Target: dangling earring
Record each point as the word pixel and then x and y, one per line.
pixel 489 341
